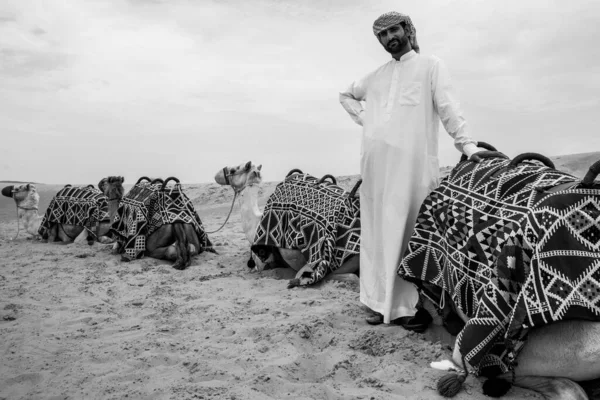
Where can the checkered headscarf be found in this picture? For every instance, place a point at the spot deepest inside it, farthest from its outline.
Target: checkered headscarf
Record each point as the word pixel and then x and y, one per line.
pixel 395 18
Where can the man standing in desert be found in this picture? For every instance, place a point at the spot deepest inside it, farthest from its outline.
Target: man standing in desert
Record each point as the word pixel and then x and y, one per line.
pixel 405 98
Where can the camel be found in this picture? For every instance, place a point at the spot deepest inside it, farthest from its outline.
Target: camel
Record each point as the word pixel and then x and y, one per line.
pixel 554 358
pixel 27 200
pixel 177 241
pixel 245 179
pixel 112 188
pixel 559 358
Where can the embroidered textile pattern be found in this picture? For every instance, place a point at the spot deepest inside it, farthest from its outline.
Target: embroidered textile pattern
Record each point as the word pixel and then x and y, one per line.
pixel 80 206
pixel 145 209
pixel 509 254
pixel 320 220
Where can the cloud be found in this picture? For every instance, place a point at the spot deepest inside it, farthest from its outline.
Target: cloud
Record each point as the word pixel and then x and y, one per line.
pixel 181 87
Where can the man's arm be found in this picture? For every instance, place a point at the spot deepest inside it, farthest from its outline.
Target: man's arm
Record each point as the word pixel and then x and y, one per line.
pixel 448 108
pixel 351 100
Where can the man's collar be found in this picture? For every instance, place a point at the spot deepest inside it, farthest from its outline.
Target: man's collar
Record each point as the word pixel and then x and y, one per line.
pixel 405 57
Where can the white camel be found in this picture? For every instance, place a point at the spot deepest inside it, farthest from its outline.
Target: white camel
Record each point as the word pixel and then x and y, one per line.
pixel 27 200
pixel 245 179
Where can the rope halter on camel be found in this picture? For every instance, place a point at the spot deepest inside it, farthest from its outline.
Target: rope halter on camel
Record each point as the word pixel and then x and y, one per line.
pixel 226 174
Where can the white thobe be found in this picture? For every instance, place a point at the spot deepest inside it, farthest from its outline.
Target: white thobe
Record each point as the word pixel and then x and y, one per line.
pixel 405 100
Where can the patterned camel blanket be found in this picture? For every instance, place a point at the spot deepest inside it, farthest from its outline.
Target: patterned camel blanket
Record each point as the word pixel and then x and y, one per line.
pixel 507 252
pixel 81 206
pixel 319 219
pixel 146 208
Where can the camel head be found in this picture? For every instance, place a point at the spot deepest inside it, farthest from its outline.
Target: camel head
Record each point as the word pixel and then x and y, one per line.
pixel 239 177
pixel 25 195
pixel 112 187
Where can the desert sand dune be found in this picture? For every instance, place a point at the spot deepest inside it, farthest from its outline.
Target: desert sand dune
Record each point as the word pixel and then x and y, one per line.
pixel 78 323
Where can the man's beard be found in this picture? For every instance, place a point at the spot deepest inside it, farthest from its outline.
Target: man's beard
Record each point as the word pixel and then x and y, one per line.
pixel 402 42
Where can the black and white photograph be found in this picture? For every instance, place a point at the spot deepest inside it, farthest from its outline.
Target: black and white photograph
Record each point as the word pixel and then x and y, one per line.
pixel 299 199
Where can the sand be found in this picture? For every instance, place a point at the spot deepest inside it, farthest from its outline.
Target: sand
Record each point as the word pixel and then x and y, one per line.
pixel 78 323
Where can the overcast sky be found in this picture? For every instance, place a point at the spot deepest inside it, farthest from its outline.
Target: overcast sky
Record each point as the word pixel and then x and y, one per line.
pixel 185 87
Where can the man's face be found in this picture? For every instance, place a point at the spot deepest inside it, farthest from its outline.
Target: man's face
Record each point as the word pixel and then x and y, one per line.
pixel 393 38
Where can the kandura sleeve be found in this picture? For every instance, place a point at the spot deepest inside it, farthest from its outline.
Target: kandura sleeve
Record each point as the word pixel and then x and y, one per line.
pixel 351 99
pixel 448 108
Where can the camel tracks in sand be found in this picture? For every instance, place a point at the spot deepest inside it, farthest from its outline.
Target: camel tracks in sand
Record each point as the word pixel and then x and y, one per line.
pixel 98 328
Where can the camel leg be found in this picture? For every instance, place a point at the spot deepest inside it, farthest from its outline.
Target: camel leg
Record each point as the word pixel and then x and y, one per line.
pixel 170 242
pixel 193 241
pixel 289 258
pixel 184 258
pixel 68 233
pixel 58 236
pixel 62 235
pixel 82 237
pixel 550 388
pixel 164 253
pixel 347 272
pixel 52 233
pixel 161 244
pixel 102 231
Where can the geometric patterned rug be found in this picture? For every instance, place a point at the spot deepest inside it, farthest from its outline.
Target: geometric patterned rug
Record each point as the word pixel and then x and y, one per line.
pixel 147 207
pixel 508 253
pixel 80 206
pixel 319 219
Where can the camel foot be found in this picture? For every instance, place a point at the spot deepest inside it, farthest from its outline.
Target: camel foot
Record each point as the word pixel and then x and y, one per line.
pixel 180 266
pixel 292 283
pixel 106 240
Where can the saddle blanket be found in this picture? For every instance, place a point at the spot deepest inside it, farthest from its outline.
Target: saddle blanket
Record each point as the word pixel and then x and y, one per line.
pixel 509 253
pixel 319 219
pixel 81 206
pixel 146 208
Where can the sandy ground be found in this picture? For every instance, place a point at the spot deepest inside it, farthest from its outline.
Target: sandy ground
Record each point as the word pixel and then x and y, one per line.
pixel 77 323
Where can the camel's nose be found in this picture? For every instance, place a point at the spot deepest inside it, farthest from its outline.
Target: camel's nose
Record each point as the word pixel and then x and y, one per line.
pixel 7 191
pixel 220 178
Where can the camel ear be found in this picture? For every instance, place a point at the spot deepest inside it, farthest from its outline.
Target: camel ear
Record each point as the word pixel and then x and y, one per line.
pixel 248 166
pixel 28 186
pixel 259 167
pixel 122 179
